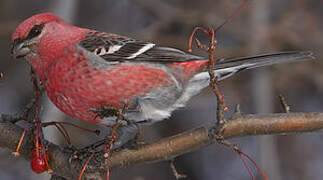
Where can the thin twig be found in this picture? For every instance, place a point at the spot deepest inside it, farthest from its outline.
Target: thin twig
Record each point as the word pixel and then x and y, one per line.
pixel 96 132
pixel 237 110
pixel 175 172
pixel 284 104
pixel 1 76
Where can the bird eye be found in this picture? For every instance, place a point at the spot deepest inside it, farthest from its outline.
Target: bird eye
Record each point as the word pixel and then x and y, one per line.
pixel 35 31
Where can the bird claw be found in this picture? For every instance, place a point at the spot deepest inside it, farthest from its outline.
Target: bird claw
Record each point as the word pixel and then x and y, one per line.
pixel 84 152
pixel 104 111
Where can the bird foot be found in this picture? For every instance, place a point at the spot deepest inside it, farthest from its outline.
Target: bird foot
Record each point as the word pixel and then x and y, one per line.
pixel 124 137
pixel 86 151
pixel 104 111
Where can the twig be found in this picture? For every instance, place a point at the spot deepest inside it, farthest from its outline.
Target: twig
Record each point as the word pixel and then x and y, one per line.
pixel 96 131
pixel 175 172
pixel 1 76
pixel 213 79
pixel 85 165
pixel 237 110
pixel 284 104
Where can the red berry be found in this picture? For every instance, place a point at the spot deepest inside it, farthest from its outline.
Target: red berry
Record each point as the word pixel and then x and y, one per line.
pixel 113 137
pixel 38 162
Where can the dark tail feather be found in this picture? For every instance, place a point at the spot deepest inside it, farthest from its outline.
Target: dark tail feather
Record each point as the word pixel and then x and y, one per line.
pixel 228 67
pixel 264 60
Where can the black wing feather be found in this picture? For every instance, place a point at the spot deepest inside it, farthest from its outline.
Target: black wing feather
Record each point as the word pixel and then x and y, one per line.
pixel 96 42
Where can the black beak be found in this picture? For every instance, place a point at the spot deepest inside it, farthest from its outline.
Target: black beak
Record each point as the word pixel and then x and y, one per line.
pixel 19 49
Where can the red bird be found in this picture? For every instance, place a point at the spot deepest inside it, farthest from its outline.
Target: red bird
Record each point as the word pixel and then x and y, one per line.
pixel 84 70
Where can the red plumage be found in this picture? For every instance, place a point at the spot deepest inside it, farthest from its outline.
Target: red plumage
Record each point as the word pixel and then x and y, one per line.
pixel 83 70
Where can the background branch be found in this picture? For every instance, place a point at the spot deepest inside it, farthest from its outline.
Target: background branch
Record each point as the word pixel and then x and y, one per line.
pixel 166 148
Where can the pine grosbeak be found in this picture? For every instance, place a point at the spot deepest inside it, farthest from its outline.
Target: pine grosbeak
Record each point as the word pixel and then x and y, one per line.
pixel 83 70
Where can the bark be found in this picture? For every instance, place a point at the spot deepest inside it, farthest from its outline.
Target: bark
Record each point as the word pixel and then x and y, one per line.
pixel 167 148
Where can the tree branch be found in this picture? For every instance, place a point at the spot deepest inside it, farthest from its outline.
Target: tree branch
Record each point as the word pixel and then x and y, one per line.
pixel 166 148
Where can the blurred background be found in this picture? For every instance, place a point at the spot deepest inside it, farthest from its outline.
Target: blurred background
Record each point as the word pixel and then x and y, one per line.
pixel 261 27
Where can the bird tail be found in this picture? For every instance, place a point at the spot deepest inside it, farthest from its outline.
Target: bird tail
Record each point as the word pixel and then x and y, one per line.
pixel 228 67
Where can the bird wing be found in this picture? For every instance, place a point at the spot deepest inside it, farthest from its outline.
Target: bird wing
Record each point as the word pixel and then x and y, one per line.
pixel 112 47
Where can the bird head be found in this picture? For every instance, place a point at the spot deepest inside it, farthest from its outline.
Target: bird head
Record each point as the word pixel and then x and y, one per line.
pixel 43 38
pixel 29 33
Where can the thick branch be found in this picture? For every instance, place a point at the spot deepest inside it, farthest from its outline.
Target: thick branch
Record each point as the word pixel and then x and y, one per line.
pixel 170 147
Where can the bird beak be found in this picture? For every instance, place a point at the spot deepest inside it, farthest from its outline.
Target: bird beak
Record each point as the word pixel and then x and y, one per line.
pixel 19 48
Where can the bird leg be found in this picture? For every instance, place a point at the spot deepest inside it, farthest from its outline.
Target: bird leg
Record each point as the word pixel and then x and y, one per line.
pixel 120 134
pixel 104 111
pixel 121 129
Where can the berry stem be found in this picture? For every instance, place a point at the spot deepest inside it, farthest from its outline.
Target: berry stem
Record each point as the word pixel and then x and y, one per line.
pixel 16 153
